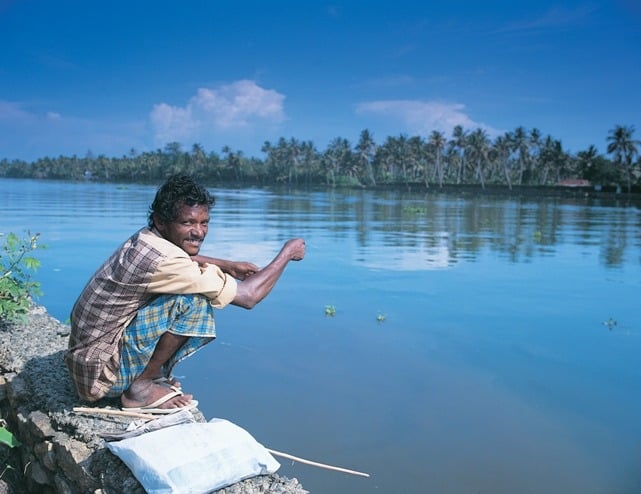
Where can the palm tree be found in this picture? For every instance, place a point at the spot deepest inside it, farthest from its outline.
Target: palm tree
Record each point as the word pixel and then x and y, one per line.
pixel 402 153
pixel 534 150
pixel 277 159
pixel 459 140
pixel 383 161
pixel 502 149
pixel 309 159
pixel 197 160
pixel 416 158
pixel 233 162
pixel 337 157
pixel 366 148
pixel 553 159
pixel 624 148
pixel 173 158
pixel 585 162
pixel 595 167
pixel 452 158
pixel 478 148
pixel 293 153
pixel 437 142
pixel 520 144
pixel 389 154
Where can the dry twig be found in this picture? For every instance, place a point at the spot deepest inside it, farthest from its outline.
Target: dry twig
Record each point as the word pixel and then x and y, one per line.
pixel 316 464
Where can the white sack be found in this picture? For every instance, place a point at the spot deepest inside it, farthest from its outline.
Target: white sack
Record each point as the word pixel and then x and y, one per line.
pixel 194 458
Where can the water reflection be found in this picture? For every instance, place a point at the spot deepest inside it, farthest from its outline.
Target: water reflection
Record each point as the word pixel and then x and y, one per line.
pixel 432 232
pixel 423 231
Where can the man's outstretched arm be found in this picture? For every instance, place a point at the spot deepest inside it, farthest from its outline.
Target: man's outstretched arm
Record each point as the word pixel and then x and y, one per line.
pixel 237 269
pixel 256 287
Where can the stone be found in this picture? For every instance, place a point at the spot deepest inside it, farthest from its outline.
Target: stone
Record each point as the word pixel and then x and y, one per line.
pixel 36 474
pixel 17 389
pixel 61 484
pixel 3 388
pixel 41 425
pixel 72 457
pixel 46 455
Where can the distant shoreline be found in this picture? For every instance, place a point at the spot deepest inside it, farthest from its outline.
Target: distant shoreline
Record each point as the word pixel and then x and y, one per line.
pixel 606 192
pixel 540 191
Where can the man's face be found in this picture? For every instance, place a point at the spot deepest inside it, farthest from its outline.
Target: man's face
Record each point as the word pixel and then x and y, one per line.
pixel 188 230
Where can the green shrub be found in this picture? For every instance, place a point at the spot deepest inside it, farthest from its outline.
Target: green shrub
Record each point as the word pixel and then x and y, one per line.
pixel 347 181
pixel 16 267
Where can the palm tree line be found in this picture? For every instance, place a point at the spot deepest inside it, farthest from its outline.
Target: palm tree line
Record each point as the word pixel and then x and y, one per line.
pixel 520 157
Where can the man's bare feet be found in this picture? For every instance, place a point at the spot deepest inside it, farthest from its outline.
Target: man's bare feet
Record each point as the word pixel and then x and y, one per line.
pixel 145 392
pixel 171 381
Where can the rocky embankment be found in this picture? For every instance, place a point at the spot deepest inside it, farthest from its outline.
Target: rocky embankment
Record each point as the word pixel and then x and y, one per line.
pixel 61 451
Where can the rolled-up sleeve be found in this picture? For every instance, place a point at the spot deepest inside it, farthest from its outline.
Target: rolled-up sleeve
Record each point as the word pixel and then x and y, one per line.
pixel 181 275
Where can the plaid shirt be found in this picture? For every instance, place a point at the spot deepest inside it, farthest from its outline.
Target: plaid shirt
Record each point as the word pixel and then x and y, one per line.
pixel 141 268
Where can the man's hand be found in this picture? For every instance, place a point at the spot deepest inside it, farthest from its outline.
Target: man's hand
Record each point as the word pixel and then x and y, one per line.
pixel 257 287
pixel 237 269
pixel 294 249
pixel 241 269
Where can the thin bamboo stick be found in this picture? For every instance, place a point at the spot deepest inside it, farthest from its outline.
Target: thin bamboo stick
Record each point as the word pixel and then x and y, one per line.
pixel 107 411
pixel 316 464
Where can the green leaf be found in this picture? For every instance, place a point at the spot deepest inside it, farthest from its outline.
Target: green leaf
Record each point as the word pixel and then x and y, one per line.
pixel 31 263
pixel 12 240
pixel 7 438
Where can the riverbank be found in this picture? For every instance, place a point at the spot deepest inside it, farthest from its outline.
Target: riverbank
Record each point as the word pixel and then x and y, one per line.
pixel 610 194
pixel 61 451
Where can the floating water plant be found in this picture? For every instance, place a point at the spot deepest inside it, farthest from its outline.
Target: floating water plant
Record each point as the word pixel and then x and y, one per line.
pixel 330 310
pixel 610 323
pixel 414 210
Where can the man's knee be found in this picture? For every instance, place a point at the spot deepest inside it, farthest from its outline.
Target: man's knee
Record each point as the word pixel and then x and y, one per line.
pixel 190 314
pixel 192 304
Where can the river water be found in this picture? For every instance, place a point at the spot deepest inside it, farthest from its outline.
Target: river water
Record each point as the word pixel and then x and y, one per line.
pixel 477 344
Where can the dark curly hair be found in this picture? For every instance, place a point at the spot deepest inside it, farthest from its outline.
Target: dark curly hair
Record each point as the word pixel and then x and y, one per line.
pixel 178 190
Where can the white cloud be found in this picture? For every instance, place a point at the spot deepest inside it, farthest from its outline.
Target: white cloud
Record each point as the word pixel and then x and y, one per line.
pixel 423 117
pixel 28 132
pixel 172 123
pixel 234 247
pixel 556 17
pixel 239 105
pixel 13 111
pixel 20 113
pixel 408 259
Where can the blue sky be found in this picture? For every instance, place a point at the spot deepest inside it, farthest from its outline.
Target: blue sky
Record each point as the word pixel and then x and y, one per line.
pixel 106 77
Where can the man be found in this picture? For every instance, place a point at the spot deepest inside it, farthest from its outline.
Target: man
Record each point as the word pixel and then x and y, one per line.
pixel 151 303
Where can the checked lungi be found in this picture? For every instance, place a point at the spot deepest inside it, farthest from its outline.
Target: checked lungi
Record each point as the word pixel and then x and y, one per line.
pixel 185 315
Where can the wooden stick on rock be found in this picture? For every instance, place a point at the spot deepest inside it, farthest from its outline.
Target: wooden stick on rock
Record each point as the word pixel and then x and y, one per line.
pixel 109 411
pixel 316 464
